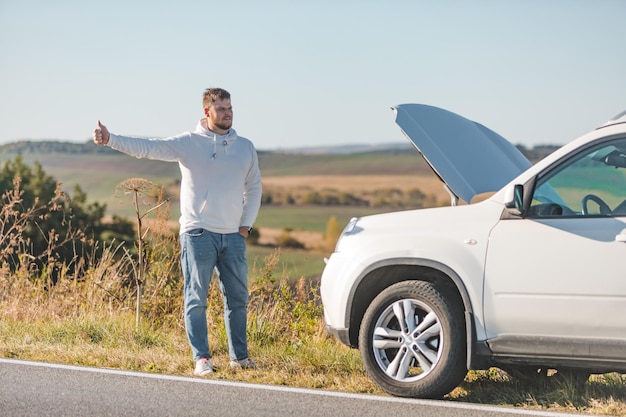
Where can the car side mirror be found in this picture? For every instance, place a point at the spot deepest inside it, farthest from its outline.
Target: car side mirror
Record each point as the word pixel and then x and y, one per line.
pixel 515 200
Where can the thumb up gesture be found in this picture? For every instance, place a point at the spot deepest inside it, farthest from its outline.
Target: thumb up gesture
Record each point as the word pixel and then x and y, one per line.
pixel 101 134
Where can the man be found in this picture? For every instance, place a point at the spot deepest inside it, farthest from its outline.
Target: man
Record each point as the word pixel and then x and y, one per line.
pixel 220 197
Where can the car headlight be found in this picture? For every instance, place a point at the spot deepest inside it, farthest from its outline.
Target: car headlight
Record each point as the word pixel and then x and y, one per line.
pixel 346 231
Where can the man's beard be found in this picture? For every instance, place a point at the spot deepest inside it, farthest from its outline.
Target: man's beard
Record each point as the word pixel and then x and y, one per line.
pixel 224 126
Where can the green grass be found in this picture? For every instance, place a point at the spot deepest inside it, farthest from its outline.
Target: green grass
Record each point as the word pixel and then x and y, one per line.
pixel 293 265
pixel 313 218
pixel 406 162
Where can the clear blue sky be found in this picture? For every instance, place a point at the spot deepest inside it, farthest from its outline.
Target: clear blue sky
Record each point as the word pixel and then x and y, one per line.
pixel 311 73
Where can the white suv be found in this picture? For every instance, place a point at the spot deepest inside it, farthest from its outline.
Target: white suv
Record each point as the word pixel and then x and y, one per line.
pixel 529 279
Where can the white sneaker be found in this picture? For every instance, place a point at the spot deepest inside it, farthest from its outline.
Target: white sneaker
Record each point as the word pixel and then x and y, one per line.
pixel 203 367
pixel 243 364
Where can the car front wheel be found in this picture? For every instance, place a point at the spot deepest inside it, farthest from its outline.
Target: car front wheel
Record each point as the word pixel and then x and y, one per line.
pixel 413 341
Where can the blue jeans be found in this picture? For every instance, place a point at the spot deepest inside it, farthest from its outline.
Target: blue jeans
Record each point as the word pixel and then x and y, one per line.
pixel 201 252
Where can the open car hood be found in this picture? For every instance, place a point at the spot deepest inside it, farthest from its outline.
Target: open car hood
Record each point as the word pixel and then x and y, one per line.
pixel 469 158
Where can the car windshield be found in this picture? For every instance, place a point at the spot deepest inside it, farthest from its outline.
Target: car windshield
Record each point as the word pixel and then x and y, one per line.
pixel 590 183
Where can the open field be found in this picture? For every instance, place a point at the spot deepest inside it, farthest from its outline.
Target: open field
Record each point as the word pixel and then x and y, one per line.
pixel 399 162
pixel 99 174
pixel 293 263
pixel 426 182
pixel 306 217
pixel 310 218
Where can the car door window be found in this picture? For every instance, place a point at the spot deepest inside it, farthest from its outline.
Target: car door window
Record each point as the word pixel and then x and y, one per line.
pixel 592 183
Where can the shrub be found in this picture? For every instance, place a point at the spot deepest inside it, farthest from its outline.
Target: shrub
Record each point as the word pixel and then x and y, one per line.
pixel 285 240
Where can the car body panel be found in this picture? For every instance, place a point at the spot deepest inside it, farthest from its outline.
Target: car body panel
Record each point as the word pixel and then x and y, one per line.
pixel 572 278
pixel 411 235
pixel 470 158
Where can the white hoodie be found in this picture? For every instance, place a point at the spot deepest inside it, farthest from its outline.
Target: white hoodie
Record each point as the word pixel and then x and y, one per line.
pixel 221 181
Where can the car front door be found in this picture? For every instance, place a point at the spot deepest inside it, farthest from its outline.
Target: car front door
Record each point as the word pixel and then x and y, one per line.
pixel 556 278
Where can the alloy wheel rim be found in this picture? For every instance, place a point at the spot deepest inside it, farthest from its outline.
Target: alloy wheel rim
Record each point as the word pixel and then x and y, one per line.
pixel 407 340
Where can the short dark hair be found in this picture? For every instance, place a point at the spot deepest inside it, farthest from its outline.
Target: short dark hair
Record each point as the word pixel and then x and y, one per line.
pixel 211 95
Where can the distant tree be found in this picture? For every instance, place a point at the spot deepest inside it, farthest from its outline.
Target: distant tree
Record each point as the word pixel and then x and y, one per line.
pixel 415 198
pixel 347 199
pixel 285 240
pixel 289 199
pixel 333 231
pixel 51 147
pixel 312 197
pixel 267 198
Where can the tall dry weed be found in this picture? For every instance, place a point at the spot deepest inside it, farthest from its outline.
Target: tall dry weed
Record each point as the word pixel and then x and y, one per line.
pixel 101 282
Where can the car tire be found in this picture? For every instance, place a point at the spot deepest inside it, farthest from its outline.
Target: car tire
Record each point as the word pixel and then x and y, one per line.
pixel 413 340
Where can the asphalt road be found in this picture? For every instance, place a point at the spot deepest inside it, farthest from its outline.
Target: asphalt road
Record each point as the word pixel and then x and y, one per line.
pixel 42 389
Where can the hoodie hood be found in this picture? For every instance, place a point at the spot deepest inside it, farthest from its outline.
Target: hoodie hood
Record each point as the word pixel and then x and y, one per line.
pixel 201 129
pixel 222 140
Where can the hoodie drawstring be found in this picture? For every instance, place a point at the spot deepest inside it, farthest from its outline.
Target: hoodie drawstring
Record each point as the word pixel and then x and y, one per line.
pixel 225 143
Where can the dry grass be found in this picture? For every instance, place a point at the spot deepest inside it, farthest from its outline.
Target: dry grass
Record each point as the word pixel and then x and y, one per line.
pixel 114 342
pixel 91 322
pixel 359 185
pixel 429 184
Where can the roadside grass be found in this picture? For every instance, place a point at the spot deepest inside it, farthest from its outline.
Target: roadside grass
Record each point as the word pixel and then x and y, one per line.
pixel 114 342
pixel 77 322
pixel 601 395
pixel 88 318
pixel 91 322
